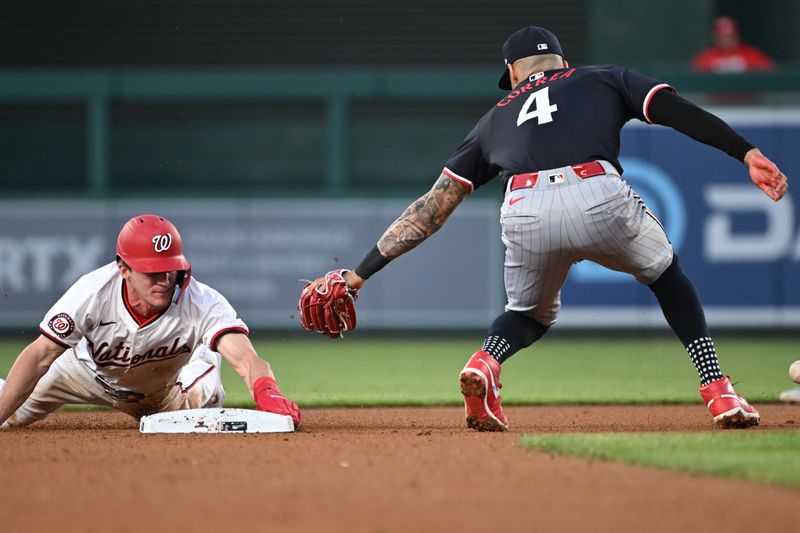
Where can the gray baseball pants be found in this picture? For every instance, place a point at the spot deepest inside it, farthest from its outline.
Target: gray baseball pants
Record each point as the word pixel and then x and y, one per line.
pixel 564 218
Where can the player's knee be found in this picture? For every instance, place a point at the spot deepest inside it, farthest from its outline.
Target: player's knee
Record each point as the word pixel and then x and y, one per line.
pixel 540 319
pixel 669 277
pixel 25 416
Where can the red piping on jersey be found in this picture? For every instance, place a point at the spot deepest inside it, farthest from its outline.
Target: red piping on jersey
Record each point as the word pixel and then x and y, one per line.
pixel 201 376
pixel 220 333
pixel 141 320
pixel 654 217
pixel 464 181
pixel 649 97
pixel 647 210
pixel 55 339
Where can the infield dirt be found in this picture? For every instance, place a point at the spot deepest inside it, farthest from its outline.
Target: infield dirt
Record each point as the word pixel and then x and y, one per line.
pixel 397 469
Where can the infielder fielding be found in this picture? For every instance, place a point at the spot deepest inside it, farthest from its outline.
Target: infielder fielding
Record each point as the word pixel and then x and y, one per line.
pixel 139 334
pixel 554 140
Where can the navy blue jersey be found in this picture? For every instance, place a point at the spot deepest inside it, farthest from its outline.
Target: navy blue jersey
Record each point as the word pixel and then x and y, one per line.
pixel 563 117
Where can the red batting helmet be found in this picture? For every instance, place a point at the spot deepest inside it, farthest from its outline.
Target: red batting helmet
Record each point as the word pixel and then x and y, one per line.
pixel 150 243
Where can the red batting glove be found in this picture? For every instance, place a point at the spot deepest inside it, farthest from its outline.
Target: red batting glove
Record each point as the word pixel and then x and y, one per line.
pixel 269 399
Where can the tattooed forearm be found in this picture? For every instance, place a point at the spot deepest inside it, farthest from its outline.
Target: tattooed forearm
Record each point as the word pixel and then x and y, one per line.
pixel 423 218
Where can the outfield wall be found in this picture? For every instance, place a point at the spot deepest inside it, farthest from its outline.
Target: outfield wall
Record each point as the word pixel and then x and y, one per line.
pixel 741 249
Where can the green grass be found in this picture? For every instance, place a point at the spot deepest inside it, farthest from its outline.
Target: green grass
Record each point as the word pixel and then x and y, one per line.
pixel 367 371
pixel 764 456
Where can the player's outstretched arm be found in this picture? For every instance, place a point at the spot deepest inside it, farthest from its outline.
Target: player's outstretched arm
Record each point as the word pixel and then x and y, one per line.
pixel 257 374
pixel 240 353
pixel 419 221
pixel 423 218
pixel 327 304
pixel 671 110
pixel 31 364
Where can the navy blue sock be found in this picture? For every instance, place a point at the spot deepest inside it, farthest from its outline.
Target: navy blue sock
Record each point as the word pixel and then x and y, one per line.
pixel 684 313
pixel 511 332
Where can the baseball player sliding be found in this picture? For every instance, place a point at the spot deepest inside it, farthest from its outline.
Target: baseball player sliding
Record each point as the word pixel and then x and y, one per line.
pixel 554 140
pixel 140 335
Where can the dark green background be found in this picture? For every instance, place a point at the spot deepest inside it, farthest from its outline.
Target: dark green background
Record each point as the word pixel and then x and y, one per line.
pixel 392 140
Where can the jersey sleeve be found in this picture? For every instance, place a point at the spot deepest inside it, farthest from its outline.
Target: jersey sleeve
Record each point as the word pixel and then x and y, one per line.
pixel 638 90
pixel 69 319
pixel 468 165
pixel 218 318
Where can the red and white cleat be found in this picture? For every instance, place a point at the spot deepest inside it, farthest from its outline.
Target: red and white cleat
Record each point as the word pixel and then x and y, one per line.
pixel 728 408
pixel 480 385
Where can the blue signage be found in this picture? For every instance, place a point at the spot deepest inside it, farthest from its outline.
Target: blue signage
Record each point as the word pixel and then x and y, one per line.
pixel 741 249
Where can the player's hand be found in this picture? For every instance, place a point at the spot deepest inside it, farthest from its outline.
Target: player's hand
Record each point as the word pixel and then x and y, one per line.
pixel 269 399
pixel 353 280
pixel 327 304
pixel 766 175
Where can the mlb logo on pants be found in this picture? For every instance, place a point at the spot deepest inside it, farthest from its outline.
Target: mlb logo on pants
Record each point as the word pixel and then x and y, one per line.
pixel 556 178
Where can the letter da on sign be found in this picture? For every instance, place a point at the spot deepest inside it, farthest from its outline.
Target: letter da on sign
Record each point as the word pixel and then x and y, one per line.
pixel 722 243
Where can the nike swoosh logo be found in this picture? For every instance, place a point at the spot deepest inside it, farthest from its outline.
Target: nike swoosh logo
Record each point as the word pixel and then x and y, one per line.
pixel 490 375
pixel 106 323
pixel 512 201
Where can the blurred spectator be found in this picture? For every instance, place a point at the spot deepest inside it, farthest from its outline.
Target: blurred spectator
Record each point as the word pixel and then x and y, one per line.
pixel 729 54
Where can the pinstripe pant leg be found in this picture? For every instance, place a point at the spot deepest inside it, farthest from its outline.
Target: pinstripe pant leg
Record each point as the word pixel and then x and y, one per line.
pixel 625 236
pixel 536 265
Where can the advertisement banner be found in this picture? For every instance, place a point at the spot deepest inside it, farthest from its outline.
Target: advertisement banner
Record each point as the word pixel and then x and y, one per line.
pixel 257 252
pixel 740 249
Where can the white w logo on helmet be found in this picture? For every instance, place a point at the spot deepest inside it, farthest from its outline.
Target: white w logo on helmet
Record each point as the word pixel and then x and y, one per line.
pixel 161 243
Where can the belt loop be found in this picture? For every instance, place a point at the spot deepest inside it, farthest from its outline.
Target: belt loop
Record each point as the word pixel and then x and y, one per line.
pixel 609 167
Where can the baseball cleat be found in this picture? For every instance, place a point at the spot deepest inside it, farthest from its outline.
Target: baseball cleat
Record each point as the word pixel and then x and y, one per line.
pixel 728 408
pixel 791 395
pixel 480 385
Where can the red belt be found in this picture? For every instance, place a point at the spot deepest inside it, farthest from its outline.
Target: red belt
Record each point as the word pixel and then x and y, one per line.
pixel 583 171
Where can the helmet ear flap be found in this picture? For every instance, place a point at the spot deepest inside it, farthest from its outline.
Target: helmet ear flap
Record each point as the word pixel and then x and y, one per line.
pixel 181 282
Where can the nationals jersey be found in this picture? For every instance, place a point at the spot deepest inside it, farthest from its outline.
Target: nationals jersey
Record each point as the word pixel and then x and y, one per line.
pixel 553 119
pixel 95 320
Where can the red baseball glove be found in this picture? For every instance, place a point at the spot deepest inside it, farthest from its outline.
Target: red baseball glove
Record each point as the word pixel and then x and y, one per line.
pixel 328 305
pixel 269 399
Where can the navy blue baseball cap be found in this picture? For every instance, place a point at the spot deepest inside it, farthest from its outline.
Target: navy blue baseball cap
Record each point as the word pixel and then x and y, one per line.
pixel 530 41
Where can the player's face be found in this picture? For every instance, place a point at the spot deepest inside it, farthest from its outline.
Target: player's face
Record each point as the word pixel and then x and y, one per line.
pixel 155 288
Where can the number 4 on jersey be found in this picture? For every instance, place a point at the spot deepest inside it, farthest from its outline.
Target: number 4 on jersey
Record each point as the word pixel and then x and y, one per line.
pixel 542 110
